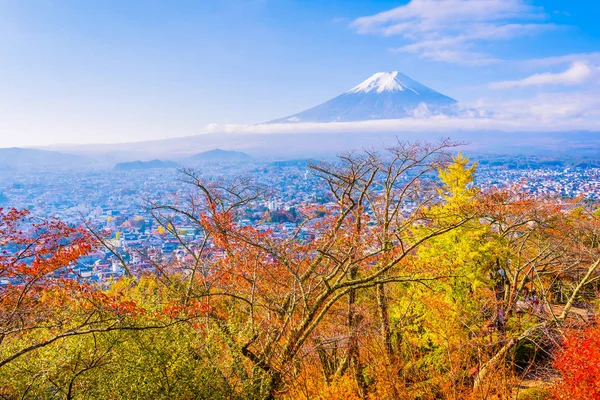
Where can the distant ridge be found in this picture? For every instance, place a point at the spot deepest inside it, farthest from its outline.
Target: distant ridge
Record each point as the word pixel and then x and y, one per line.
pixel 385 95
pixel 133 165
pixel 17 157
pixel 219 155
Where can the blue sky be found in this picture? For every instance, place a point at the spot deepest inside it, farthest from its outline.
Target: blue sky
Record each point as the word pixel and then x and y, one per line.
pixel 92 71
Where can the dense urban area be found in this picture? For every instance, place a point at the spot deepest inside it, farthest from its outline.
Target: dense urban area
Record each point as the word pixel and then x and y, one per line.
pixel 117 200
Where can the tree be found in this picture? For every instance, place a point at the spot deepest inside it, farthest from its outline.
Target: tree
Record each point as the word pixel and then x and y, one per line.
pixel 438 326
pixel 59 333
pixel 41 299
pixel 34 257
pixel 279 294
pixel 543 241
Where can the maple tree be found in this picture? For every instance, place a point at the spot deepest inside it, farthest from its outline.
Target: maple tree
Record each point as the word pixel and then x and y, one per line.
pixel 42 299
pixel 34 260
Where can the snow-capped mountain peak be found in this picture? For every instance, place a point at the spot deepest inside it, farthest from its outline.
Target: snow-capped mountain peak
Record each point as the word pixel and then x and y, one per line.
pixel 385 95
pixel 384 82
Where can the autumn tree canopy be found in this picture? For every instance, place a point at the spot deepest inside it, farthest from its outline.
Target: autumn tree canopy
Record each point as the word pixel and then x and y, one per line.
pixel 412 283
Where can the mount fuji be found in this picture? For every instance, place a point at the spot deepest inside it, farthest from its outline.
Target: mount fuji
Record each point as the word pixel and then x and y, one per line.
pixel 385 95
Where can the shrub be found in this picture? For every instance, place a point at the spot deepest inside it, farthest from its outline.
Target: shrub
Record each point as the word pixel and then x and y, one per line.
pixel 579 364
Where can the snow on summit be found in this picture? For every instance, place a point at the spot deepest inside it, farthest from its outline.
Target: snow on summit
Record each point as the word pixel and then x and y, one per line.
pixel 382 82
pixel 385 95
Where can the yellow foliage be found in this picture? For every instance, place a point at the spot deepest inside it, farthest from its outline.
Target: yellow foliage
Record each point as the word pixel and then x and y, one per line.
pixel 457 178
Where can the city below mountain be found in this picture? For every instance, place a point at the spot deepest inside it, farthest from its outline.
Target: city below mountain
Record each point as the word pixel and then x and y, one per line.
pixel 385 95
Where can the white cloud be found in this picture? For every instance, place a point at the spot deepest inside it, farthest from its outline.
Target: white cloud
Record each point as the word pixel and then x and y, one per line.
pixel 427 16
pixel 563 109
pixel 542 113
pixel 588 58
pixel 456 56
pixel 578 73
pixel 433 124
pixel 449 30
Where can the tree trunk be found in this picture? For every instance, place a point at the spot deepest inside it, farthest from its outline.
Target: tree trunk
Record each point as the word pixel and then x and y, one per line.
pixel 386 332
pixel 493 363
pixel 353 350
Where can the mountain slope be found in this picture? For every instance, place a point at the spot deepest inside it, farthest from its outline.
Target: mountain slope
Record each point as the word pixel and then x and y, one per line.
pixel 218 155
pixel 16 157
pixel 128 166
pixel 385 95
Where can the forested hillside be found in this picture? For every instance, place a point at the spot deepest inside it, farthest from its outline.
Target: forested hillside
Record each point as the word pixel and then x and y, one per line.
pixel 415 285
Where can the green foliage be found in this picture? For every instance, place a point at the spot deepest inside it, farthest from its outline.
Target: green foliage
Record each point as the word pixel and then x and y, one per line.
pixel 534 393
pixel 187 360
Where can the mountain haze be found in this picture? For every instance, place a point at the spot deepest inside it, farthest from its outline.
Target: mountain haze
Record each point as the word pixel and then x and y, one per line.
pixel 17 157
pixel 385 95
pixel 219 155
pixel 153 164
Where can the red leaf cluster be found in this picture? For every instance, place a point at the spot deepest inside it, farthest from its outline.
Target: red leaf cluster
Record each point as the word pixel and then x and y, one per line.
pixel 579 364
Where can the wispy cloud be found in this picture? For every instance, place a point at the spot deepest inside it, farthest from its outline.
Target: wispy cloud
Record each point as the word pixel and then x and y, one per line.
pixel 455 55
pixel 578 73
pixel 429 16
pixel 588 58
pixel 450 30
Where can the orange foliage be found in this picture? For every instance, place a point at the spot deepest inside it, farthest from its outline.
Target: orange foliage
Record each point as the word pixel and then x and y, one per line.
pixel 34 259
